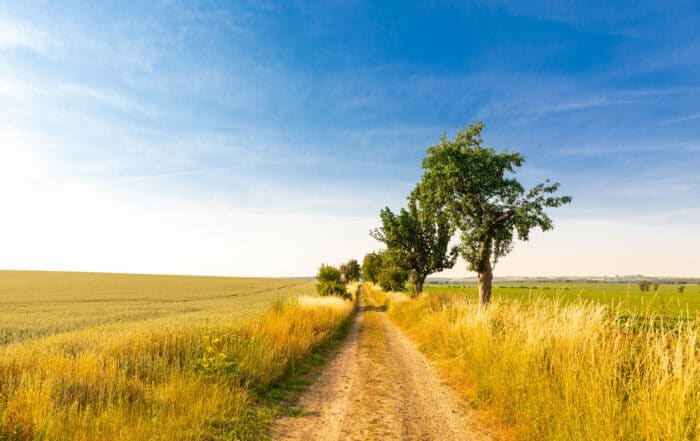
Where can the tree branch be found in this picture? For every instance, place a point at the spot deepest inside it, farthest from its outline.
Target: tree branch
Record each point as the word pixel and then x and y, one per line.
pixel 504 217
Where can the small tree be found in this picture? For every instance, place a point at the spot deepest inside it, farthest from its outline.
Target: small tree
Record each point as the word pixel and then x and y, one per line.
pixel 350 271
pixel 392 276
pixel 476 188
pixel 329 281
pixel 418 239
pixel 371 265
pixel 343 268
pixel 644 285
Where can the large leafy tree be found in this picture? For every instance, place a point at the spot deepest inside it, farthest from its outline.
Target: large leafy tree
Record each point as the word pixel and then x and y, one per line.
pixel 476 187
pixel 418 239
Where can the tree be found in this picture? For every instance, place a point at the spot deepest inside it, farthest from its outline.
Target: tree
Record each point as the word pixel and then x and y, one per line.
pixel 476 187
pixel 371 265
pixel 392 276
pixel 350 271
pixel 418 239
pixel 329 281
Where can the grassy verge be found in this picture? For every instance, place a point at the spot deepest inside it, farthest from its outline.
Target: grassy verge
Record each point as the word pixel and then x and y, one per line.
pixel 163 380
pixel 554 371
pixel 281 397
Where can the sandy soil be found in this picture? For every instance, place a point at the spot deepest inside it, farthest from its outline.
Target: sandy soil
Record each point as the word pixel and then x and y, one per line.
pixel 379 387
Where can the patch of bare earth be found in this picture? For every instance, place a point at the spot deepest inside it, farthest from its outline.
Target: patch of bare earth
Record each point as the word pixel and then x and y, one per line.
pixel 379 387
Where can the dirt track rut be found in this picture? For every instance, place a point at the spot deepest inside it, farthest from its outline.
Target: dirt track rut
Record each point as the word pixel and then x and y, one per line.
pixel 379 386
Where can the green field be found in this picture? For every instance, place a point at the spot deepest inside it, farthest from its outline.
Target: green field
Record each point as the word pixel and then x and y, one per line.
pixel 627 296
pixel 37 304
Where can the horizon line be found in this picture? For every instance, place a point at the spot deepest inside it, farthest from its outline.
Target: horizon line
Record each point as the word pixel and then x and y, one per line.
pixel 623 276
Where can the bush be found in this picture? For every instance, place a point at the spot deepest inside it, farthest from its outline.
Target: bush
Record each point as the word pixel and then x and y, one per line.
pixel 644 285
pixel 329 282
pixel 331 289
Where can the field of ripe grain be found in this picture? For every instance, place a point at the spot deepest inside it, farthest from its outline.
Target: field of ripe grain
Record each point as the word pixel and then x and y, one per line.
pixel 562 368
pixel 38 304
pixel 109 356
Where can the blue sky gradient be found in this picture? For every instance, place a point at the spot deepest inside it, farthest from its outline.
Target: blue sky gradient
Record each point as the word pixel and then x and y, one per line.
pixel 315 115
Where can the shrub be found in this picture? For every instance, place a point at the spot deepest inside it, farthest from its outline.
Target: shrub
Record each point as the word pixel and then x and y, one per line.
pixel 644 285
pixel 329 282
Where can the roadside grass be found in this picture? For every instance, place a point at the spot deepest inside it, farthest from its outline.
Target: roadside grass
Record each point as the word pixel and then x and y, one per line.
pixel 210 374
pixel 563 370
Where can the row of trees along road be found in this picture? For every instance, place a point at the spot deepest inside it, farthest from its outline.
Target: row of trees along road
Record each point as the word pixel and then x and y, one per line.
pixel 471 190
pixel 350 271
pixel 383 268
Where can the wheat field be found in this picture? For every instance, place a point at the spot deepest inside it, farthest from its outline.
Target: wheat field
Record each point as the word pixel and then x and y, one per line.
pixel 121 357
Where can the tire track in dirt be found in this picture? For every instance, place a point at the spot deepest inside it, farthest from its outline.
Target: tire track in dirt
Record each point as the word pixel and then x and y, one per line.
pixel 379 386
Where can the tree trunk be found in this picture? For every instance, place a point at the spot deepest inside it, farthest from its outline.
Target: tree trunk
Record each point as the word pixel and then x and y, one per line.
pixel 419 285
pixel 485 278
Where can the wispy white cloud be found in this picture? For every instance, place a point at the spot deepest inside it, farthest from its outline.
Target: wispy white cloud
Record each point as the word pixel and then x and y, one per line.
pixel 583 104
pixel 614 148
pixel 665 187
pixel 527 100
pixel 693 117
pixel 15 34
pixel 12 87
pixel 112 99
pixel 172 175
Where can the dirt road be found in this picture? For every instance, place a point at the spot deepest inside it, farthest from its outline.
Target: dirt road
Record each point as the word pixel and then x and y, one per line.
pixel 379 387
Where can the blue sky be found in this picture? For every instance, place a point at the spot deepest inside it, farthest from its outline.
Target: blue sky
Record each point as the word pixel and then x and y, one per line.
pixel 262 138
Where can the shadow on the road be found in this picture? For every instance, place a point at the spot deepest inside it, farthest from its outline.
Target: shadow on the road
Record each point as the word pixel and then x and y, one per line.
pixel 374 308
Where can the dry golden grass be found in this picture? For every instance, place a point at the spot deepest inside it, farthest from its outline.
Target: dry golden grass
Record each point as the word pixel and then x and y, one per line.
pixel 553 371
pixel 187 374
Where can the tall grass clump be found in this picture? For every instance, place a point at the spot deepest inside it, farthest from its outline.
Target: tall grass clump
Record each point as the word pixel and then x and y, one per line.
pixel 554 371
pixel 163 379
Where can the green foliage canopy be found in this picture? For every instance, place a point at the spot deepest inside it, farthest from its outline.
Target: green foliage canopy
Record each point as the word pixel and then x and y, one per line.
pixel 418 240
pixel 371 265
pixel 392 276
pixel 329 281
pixel 476 187
pixel 350 271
